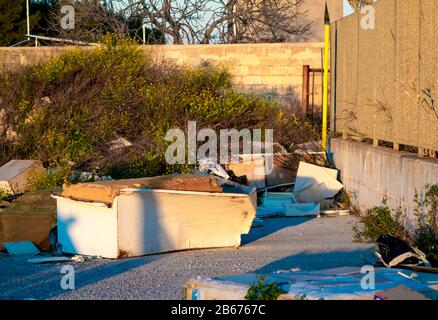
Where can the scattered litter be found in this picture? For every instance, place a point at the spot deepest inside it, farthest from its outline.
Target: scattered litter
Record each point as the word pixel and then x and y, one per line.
pixel 57 259
pixel 411 276
pixel 396 252
pixel 284 203
pixel 301 209
pixel 424 269
pixel 257 222
pixel 120 143
pixel 49 259
pixel 14 175
pixel 29 218
pixel 238 179
pixel 284 187
pixel 278 200
pixel 335 212
pixel 315 183
pixel 251 166
pixel 207 165
pixel 290 270
pixel 265 169
pixel 21 248
pixel 329 284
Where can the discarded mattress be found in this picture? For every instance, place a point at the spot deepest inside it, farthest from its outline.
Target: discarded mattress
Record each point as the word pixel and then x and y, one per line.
pixel 107 191
pixel 330 284
pixel 142 221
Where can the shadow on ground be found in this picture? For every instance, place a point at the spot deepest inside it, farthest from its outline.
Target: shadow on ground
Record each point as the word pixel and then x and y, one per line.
pixel 306 261
pixel 44 281
pixel 271 226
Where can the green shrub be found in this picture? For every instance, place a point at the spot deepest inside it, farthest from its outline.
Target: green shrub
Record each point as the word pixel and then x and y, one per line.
pixel 263 291
pixel 70 107
pixel 52 178
pixel 380 221
pixel 5 195
pixel 427 213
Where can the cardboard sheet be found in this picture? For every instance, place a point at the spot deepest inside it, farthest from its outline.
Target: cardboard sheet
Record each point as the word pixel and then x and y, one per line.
pixel 25 227
pixel 107 191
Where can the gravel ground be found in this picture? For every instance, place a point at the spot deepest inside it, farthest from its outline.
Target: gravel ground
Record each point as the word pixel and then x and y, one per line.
pixel 283 243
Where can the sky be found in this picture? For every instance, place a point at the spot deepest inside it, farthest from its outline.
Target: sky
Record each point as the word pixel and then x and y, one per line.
pixel 347 9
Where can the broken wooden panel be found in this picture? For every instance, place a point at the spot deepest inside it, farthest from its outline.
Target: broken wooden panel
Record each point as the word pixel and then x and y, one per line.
pixel 250 166
pixel 22 227
pixel 16 174
pixel 144 221
pixel 107 191
pixel 256 167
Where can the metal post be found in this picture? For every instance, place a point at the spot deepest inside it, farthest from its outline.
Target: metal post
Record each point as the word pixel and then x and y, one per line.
pixel 326 77
pixel 27 18
pixel 305 91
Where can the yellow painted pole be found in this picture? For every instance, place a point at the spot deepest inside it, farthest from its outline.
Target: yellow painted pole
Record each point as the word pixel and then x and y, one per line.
pixel 326 77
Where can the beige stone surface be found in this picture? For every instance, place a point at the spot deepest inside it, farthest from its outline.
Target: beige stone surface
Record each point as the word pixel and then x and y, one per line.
pixel 257 68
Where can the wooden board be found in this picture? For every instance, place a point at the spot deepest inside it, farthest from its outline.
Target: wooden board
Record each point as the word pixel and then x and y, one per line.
pixel 107 191
pixel 14 228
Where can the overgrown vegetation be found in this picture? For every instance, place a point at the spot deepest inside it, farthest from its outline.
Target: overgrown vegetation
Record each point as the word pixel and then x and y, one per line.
pixel 67 111
pixel 427 214
pixel 381 221
pixel 264 291
pixel 4 195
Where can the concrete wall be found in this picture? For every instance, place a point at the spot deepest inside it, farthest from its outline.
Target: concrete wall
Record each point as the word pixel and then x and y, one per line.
pixel 372 173
pixel 386 78
pixel 273 70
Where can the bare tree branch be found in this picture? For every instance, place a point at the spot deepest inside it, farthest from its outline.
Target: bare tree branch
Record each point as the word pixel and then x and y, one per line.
pixel 358 4
pixel 193 21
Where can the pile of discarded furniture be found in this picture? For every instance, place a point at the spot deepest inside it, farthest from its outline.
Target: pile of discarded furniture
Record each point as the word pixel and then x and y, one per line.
pixel 125 218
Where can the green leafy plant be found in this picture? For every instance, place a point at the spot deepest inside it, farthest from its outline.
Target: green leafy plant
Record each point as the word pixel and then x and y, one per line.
pixel 380 221
pixel 264 291
pixel 52 178
pixel 5 195
pixel 427 214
